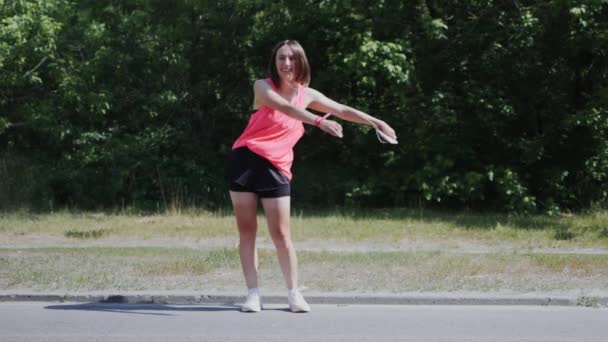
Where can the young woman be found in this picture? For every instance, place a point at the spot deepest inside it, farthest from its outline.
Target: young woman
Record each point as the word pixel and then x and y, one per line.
pixel 259 166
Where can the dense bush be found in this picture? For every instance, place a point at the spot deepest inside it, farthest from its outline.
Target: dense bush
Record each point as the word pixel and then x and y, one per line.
pixel 498 105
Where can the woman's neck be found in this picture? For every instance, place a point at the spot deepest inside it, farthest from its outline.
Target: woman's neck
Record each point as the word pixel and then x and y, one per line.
pixel 287 86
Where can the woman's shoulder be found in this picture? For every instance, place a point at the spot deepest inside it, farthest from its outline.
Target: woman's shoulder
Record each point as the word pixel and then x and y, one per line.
pixel 263 82
pixel 311 93
pixel 260 86
pixel 259 82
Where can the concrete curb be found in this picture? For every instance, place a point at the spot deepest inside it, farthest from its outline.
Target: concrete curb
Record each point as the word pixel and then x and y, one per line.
pixel 337 299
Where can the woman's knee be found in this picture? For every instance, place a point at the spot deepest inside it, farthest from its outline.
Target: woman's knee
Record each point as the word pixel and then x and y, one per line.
pixel 247 234
pixel 281 239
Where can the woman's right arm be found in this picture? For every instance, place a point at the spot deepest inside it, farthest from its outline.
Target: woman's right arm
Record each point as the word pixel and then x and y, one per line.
pixel 265 95
pixel 323 103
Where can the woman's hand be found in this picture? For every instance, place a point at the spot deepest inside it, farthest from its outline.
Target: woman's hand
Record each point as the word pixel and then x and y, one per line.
pixel 331 127
pixel 386 129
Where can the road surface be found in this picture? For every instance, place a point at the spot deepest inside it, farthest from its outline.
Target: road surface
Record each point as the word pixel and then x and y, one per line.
pixel 77 322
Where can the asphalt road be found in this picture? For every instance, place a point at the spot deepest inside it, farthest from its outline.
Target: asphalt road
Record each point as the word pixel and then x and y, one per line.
pixel 35 321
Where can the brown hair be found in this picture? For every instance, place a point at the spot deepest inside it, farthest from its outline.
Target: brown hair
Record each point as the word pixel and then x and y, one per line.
pixel 302 72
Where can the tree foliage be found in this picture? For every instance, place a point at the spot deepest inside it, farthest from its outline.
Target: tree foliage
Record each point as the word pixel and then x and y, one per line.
pixel 498 105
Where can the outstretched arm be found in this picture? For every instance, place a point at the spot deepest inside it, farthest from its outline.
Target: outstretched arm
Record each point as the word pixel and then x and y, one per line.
pixel 322 103
pixel 266 95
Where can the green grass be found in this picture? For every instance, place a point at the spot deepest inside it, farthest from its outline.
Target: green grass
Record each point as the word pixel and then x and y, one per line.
pixel 204 224
pixel 384 226
pixel 364 251
pixel 87 234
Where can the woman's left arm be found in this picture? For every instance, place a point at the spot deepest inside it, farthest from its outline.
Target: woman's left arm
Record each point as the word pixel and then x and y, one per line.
pixel 322 103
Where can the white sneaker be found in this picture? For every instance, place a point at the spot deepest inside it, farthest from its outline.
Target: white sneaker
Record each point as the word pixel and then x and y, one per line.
pixel 252 304
pixel 297 303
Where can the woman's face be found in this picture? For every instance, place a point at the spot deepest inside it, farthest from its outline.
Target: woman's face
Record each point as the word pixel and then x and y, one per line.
pixel 286 63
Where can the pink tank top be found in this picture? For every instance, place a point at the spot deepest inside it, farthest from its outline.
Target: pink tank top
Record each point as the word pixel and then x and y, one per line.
pixel 272 134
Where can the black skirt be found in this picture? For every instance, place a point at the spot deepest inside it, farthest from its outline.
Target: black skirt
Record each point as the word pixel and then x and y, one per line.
pixel 249 172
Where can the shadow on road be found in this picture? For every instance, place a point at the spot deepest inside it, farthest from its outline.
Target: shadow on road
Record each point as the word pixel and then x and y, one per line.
pixel 142 309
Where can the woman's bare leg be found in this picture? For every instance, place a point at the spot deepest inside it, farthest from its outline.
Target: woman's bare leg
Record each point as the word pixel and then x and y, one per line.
pixel 245 206
pixel 277 212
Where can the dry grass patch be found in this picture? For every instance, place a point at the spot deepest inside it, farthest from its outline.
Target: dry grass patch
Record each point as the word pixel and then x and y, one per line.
pixel 435 271
pixel 80 269
pixel 76 269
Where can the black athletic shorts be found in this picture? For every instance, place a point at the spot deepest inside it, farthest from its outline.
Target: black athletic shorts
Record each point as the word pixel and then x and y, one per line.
pixel 249 172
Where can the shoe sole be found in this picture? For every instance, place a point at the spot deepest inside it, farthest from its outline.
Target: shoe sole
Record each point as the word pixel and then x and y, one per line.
pixel 245 309
pixel 299 310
